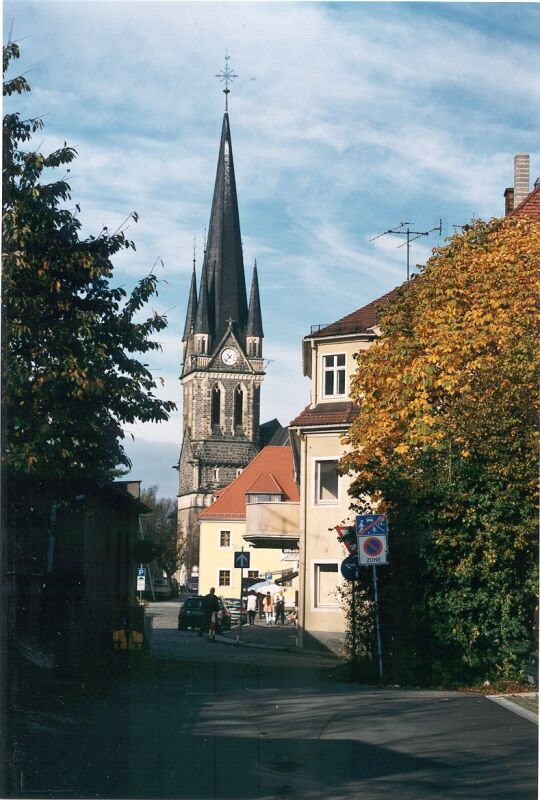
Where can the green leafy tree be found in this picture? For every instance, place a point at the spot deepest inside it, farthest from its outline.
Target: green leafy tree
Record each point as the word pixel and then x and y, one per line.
pixel 160 527
pixel 70 378
pixel 446 439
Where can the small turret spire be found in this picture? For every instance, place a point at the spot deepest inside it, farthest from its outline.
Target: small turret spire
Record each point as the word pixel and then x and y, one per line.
pixel 254 320
pixel 191 312
pixel 201 321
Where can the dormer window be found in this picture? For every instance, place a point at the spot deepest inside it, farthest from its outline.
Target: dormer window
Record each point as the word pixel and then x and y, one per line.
pixel 333 376
pixel 201 344
pixel 263 497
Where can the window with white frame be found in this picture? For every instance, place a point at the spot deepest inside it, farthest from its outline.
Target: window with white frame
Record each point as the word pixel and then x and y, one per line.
pixel 253 573
pixel 224 577
pixel 263 497
pixel 325 580
pixel 333 376
pixel 224 538
pixel 326 482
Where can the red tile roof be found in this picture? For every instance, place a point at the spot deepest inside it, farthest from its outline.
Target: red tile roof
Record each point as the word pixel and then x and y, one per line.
pixel 272 467
pixel 326 414
pixel 265 483
pixel 529 207
pixel 361 320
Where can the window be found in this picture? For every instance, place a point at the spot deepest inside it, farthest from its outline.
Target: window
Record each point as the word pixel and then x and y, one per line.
pixel 238 406
pixel 253 573
pixel 324 587
pixel 239 471
pixel 326 482
pixel 216 406
pixel 334 375
pixel 224 577
pixel 215 474
pixel 263 498
pixel 201 345
pixel 224 538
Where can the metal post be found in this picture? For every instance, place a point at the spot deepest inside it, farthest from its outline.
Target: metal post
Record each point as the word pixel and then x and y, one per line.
pixel 408 253
pixel 240 616
pixel 353 621
pixel 377 626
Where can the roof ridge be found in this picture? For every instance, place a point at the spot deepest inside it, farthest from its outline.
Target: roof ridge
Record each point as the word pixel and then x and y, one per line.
pixel 525 201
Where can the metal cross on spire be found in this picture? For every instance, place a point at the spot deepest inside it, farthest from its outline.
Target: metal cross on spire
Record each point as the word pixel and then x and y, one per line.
pixel 226 76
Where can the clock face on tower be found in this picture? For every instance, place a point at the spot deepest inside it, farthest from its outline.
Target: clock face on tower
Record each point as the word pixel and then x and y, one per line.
pixel 229 356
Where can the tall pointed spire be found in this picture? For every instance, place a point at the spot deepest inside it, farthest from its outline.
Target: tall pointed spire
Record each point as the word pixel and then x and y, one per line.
pixel 191 312
pixel 254 320
pixel 223 258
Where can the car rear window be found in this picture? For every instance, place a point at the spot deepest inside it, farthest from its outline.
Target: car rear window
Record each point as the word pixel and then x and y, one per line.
pixel 193 602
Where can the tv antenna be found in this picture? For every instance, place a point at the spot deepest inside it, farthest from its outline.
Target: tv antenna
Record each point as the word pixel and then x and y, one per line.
pixel 411 236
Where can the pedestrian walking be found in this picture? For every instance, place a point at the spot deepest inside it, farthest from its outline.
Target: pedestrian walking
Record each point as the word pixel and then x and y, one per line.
pixel 280 609
pixel 251 607
pixel 210 609
pixel 260 601
pixel 268 605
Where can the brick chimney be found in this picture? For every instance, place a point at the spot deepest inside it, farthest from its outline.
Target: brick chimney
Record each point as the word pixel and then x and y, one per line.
pixel 521 177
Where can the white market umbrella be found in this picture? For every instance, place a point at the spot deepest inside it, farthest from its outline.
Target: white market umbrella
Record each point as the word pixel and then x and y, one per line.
pixel 265 586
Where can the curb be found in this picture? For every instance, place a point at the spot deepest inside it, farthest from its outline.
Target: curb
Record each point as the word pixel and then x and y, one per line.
pixel 296 649
pixel 506 702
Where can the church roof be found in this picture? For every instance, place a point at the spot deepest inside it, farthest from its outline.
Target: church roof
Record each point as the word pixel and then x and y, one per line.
pixel 223 258
pixel 254 321
pixel 273 466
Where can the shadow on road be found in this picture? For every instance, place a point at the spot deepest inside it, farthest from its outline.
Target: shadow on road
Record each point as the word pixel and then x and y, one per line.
pixel 204 730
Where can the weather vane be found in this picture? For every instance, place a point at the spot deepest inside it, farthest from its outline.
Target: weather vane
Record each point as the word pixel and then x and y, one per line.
pixel 226 76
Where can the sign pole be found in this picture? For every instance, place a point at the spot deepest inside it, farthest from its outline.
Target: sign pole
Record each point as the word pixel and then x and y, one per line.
pixel 353 612
pixel 240 616
pixel 377 626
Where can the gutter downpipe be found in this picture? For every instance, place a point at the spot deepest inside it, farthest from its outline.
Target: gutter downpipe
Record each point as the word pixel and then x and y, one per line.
pixel 302 596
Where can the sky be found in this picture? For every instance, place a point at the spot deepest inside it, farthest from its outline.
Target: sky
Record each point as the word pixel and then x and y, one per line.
pixel 347 119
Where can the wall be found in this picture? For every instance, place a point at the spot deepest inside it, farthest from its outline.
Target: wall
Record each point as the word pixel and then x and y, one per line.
pixel 212 558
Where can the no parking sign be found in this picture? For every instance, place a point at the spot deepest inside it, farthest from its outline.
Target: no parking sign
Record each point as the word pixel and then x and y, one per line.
pixel 372 550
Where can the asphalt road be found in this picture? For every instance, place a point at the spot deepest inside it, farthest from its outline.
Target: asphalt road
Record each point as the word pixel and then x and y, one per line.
pixel 210 720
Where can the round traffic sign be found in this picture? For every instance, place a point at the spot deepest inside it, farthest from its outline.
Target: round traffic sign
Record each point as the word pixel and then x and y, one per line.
pixel 372 546
pixel 350 569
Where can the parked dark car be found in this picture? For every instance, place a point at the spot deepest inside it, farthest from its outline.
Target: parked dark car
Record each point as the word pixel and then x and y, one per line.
pixel 233 605
pixel 191 614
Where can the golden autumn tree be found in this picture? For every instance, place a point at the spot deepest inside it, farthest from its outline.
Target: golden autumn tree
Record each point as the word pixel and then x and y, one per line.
pixel 447 438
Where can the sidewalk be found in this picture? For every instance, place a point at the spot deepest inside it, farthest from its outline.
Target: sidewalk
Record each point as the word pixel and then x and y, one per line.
pixel 525 705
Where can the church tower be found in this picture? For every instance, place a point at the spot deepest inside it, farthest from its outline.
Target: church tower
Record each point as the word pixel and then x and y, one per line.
pixel 222 366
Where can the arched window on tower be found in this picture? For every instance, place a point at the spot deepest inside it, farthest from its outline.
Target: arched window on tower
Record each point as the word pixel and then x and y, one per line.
pixel 216 406
pixel 238 406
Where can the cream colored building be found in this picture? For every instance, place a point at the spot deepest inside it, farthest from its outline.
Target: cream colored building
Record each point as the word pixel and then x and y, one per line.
pixel 328 356
pixel 257 512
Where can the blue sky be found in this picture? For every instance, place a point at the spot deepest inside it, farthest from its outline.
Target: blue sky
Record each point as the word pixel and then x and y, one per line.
pixel 346 119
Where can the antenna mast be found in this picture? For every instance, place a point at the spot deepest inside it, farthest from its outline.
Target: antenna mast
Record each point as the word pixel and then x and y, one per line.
pixel 411 236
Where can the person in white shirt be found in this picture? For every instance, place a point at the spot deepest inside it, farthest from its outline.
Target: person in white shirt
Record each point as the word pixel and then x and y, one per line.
pixel 251 607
